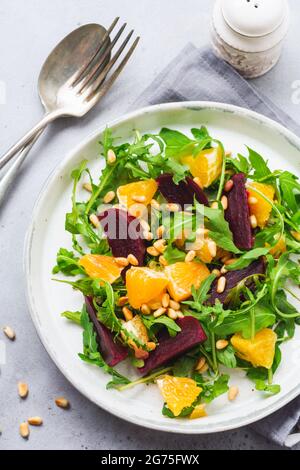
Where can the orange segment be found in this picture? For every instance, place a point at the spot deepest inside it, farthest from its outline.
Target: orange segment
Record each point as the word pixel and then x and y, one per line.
pixel 178 392
pixel 101 267
pixel 259 351
pixel 140 192
pixel 155 303
pixel 144 285
pixel 262 209
pixel 279 248
pixel 182 276
pixel 198 412
pixel 206 166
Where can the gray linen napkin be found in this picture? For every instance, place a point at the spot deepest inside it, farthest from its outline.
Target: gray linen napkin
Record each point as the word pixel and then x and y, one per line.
pixel 199 75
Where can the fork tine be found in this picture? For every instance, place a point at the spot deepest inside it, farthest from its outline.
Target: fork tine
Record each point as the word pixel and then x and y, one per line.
pixel 81 73
pixel 97 82
pixel 96 69
pixel 99 91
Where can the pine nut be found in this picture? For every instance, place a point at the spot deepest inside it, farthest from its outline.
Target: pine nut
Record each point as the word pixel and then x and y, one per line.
pixel 122 262
pixel 221 344
pixel 139 199
pixel 212 248
pixel 9 332
pixel 203 369
pixel 197 180
pixel 148 236
pixel 163 261
pixel 160 245
pixel 24 430
pixel 221 285
pixel 172 314
pixel 200 363
pixel 35 421
pixel 172 207
pixel 155 306
pixel 144 224
pixel 94 220
pixel 230 261
pixel 152 251
pixel 214 205
pixel 174 305
pixel 88 187
pixel 159 312
pixel 122 301
pixel 62 402
pixel 155 204
pixel 228 186
pixel 253 221
pixel 109 197
pixel 111 157
pixel 228 153
pixel 132 260
pixel 151 346
pixel 180 315
pixel 216 272
pixel 23 389
pixel 160 231
pixel 233 393
pixel 127 313
pixel 224 202
pixel 165 301
pixel 202 231
pixel 226 257
pixel 252 200
pixel 190 256
pixel 296 235
pixel 223 270
pixel 145 309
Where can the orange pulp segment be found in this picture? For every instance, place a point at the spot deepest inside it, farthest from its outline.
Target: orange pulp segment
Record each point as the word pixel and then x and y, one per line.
pixel 182 276
pixel 178 392
pixel 101 267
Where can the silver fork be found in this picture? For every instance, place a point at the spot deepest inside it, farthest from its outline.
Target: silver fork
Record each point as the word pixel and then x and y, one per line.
pixel 83 89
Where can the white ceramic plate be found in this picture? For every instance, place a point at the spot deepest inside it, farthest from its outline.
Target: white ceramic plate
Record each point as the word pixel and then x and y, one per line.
pixel 47 299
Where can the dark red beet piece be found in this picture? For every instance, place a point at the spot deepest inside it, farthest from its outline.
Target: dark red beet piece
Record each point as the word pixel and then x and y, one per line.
pixel 233 278
pixel 111 351
pixel 169 348
pixel 182 193
pixel 124 233
pixel 238 214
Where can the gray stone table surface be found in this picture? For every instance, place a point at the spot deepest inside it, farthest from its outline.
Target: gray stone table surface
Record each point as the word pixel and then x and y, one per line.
pixel 28 31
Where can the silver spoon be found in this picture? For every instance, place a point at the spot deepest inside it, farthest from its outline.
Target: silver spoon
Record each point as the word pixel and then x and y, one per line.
pixel 73 79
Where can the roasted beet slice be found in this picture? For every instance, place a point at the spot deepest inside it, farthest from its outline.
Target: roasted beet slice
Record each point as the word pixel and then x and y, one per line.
pixel 169 348
pixel 111 351
pixel 124 233
pixel 233 278
pixel 238 215
pixel 182 193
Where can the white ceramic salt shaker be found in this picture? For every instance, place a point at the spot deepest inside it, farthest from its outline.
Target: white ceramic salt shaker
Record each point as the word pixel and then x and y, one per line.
pixel 249 34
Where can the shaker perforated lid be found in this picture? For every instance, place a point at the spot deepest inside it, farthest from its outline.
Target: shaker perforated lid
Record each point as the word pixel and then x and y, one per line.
pixel 254 18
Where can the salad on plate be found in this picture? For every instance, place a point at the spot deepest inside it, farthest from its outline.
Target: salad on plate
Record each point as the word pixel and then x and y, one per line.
pixel 187 259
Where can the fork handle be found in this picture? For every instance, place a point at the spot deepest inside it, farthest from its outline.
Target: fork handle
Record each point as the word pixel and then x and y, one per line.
pixel 49 117
pixel 11 174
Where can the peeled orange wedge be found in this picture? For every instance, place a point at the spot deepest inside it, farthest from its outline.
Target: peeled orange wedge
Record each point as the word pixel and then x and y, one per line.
pixel 178 392
pixel 140 192
pixel 143 285
pixel 261 209
pixel 206 166
pixel 101 267
pixel 182 276
pixel 198 412
pixel 259 351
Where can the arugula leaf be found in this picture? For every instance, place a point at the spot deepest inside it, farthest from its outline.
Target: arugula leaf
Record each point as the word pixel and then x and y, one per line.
pixel 200 134
pixel 227 357
pixel 173 255
pixel 175 141
pixel 247 258
pixel 200 295
pixel 91 353
pixel 218 227
pixel 288 184
pixel 271 389
pixel 184 366
pixel 259 165
pixel 211 390
pixel 171 325
pixel 240 163
pixel 67 263
pixel 75 317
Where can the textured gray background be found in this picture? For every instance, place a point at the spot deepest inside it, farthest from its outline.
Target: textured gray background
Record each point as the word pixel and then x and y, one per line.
pixel 28 31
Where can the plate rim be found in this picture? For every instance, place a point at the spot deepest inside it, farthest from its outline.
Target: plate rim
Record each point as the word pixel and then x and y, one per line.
pixel 193 105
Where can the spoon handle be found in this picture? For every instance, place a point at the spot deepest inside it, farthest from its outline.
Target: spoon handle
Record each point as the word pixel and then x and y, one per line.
pixel 12 172
pixel 49 117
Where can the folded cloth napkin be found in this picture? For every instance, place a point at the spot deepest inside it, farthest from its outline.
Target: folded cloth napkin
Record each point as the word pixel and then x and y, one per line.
pixel 199 75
